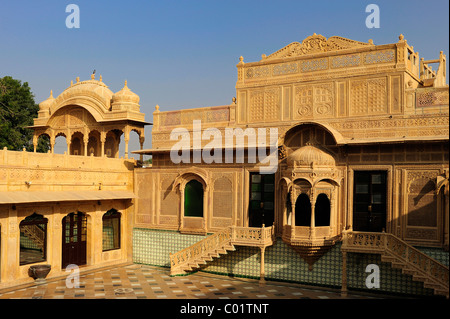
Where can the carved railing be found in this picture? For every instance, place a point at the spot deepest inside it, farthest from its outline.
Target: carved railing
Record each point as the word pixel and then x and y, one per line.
pixel 417 259
pixel 392 246
pixel 252 236
pixel 363 242
pixel 221 241
pixel 210 244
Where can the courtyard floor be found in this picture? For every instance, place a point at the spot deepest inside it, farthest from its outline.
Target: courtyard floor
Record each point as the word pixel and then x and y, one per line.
pixel 147 282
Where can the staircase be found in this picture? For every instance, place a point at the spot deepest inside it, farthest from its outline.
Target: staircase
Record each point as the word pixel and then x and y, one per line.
pixel 35 233
pixel 220 243
pixel 401 255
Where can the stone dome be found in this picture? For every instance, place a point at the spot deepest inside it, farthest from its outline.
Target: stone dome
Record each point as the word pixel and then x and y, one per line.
pixel 310 155
pixel 89 88
pixel 125 95
pixel 45 105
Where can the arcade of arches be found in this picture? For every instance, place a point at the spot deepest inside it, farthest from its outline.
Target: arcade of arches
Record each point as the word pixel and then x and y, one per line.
pixel 91 118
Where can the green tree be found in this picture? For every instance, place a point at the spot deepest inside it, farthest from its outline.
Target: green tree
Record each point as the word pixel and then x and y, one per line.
pixel 17 110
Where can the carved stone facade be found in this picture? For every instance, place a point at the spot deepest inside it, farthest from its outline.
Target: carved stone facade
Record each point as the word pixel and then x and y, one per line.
pixel 362 146
pixel 345 111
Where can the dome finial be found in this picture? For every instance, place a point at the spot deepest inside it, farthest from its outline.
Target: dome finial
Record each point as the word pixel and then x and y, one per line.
pixel 126 83
pixel 311 142
pixel 51 94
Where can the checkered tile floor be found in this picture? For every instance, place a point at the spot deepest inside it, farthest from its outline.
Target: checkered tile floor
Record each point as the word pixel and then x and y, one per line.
pixel 146 282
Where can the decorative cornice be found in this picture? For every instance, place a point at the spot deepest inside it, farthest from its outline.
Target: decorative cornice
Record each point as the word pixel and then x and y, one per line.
pixel 316 44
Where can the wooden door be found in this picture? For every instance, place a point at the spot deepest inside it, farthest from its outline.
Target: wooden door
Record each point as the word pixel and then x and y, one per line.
pixel 261 203
pixel 369 201
pixel 74 238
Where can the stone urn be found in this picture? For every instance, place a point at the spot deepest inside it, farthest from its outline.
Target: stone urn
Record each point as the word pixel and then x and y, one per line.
pixel 39 272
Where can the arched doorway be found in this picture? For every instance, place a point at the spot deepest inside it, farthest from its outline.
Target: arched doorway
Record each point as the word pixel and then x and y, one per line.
pixel 60 144
pixel 74 239
pixel 77 144
pixel 322 211
pixel 303 210
pixel 193 199
pixel 93 147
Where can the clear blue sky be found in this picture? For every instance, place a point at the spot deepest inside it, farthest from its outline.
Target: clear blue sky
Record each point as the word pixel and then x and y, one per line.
pixel 183 54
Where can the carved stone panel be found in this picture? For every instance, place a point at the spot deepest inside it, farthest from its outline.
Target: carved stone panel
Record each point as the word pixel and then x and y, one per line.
pixel 314 101
pixel 422 200
pixel 368 97
pixel 265 105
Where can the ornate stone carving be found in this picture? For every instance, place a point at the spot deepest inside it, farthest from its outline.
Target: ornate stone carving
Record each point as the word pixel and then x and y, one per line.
pixel 316 44
pixel 432 97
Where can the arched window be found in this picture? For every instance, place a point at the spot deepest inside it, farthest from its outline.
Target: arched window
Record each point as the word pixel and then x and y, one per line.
pixel 303 210
pixel 111 230
pixel 193 199
pixel 322 211
pixel 33 239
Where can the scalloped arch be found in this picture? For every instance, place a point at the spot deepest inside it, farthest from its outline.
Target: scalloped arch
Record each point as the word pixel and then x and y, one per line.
pixel 338 138
pixel 93 106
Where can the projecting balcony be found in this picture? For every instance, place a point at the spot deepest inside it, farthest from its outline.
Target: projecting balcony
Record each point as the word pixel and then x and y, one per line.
pixel 308 236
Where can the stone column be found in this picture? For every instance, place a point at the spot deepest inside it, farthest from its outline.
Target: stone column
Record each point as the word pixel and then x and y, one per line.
pixel 344 274
pixel 284 209
pixel 102 142
pixel 293 199
pixel 141 142
pixel 126 146
pixel 182 207
pixel 35 143
pixel 85 141
pixel 312 232
pixel 262 270
pixel 52 144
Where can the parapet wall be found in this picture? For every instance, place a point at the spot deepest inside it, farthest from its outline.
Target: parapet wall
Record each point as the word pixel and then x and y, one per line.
pixel 28 171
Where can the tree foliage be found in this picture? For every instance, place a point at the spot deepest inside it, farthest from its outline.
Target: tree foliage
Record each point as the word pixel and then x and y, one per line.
pixel 17 110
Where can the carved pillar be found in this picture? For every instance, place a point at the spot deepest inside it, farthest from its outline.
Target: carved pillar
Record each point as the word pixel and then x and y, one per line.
pixel 284 208
pixel 86 141
pixel 182 207
pixel 262 271
pixel 52 144
pixel 293 193
pixel 102 142
pixel 141 142
pixel 333 214
pixel 344 275
pixel 35 142
pixel 126 137
pixel 312 230
pixel 68 141
pixel 126 147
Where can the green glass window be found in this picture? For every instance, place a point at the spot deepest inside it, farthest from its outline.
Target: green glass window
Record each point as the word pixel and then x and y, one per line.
pixel 111 230
pixel 193 199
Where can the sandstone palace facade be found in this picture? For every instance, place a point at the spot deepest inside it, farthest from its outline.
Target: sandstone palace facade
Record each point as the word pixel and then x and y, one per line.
pixel 361 176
